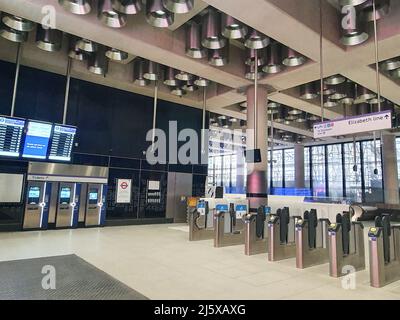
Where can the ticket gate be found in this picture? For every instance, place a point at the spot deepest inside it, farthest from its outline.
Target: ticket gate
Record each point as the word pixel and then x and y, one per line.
pixel 311 240
pixel 95 208
pixel 346 245
pixel 384 252
pixel 281 235
pixel 36 205
pixel 67 205
pixel 255 233
pixel 229 224
pixel 199 221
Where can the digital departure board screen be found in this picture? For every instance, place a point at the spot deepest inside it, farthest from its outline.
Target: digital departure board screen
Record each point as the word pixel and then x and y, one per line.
pixel 11 131
pixel 62 143
pixel 37 140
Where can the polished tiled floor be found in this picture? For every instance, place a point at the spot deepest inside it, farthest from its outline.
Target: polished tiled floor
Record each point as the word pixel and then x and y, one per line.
pixel 160 262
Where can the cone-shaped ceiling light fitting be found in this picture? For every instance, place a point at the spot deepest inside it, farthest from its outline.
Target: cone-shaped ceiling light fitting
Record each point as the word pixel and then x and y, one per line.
pixel 116 55
pixel 334 80
pixel 194 48
pixel 219 57
pixel 170 77
pixel 294 112
pixel 313 117
pixel 395 73
pixel 178 6
pixel 211 30
pixel 251 72
pixel 351 2
pixel 74 52
pixel 184 76
pixel 382 9
pixel 292 58
pixel 177 91
pixel 391 64
pixel 17 23
pixel 354 35
pixel 202 82
pixel 157 15
pixel 350 89
pixel 363 108
pixel 48 39
pixel 13 35
pixel 139 65
pixel 87 45
pixel 232 28
pixel 127 6
pixel 308 91
pixel 189 86
pixel 302 118
pixel 273 59
pixel 340 92
pixel 375 100
pixel 109 16
pixel 327 89
pixel 364 94
pixel 256 40
pixel 273 105
pixel 97 62
pixel 151 71
pixel 251 57
pixel 328 103
pixel 80 7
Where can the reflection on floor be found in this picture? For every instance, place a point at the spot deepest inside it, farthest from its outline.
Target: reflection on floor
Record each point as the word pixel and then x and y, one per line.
pixel 160 262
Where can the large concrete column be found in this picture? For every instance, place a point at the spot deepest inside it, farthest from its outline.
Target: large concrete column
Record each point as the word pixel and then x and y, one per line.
pixel 257 173
pixel 390 177
pixel 299 166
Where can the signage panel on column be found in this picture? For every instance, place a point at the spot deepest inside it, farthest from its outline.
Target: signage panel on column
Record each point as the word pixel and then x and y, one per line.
pixel 62 143
pixel 37 140
pixel 124 190
pixel 11 131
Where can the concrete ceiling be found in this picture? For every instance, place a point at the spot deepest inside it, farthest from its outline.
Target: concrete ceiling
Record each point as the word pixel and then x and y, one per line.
pixel 294 23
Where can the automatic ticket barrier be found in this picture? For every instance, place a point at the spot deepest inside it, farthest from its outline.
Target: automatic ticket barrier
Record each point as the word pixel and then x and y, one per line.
pixel 95 205
pixel 255 232
pixel 346 245
pixel 281 235
pixel 199 222
pixel 311 240
pixel 67 205
pixel 37 205
pixel 229 224
pixel 384 252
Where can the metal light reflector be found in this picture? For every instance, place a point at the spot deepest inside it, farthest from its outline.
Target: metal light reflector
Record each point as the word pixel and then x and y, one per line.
pixel 340 92
pixel 13 35
pixel 108 15
pixel 178 92
pixel 256 40
pixel 382 9
pixel 87 45
pixel 218 58
pixel 201 82
pixel 272 111
pixel 184 76
pixel 170 77
pixel 294 112
pixel 274 59
pixel 354 35
pixel 151 71
pixel 334 80
pixel 291 58
pixel 74 52
pixel 365 94
pixel 189 86
pixel 194 48
pixel 328 103
pixel 351 2
pixel 232 28
pixel 273 105
pixel 302 118
pixel 395 73
pixel 48 39
pixel 251 57
pixel 375 100
pixel 308 91
pixel 127 6
pixel 211 30
pixel 139 65
pixel 313 117
pixel 178 6
pixel 17 23
pixel 80 7
pixel 157 15
pixel 97 62
pixel 116 55
pixel 350 89
pixel 391 64
pixel 327 90
pixel 251 72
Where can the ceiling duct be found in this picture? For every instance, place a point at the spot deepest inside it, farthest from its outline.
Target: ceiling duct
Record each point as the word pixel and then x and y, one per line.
pixel 218 58
pixel 17 23
pixel 170 77
pixel 354 35
pixel 350 89
pixel 391 64
pixel 308 91
pixel 48 39
pixel 251 73
pixel 364 94
pixel 340 92
pixel 251 57
pixel 292 58
pixel 127 6
pixel 328 103
pixel 194 48
pixel 201 82
pixel 274 59
pixel 382 9
pixel 86 45
pixel 74 52
pixel 232 28
pixel 157 15
pixel 151 70
pixel 116 55
pixel 189 86
pixel 211 30
pixel 256 40
pixel 178 6
pixel 351 2
pixel 109 16
pixel 363 108
pixel 80 7
pixel 13 35
pixel 184 76
pixel 97 62
pixel 139 65
pixel 334 80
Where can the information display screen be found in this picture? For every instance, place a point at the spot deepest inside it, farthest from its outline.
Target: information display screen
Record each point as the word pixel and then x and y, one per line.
pixel 62 143
pixel 65 195
pixel 37 140
pixel 33 195
pixel 93 196
pixel 11 131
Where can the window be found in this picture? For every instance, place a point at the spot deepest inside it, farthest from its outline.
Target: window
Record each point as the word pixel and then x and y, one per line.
pixel 277 169
pixel 307 173
pixel 289 168
pixel 335 176
pixel 372 179
pixel 318 171
pixel 352 177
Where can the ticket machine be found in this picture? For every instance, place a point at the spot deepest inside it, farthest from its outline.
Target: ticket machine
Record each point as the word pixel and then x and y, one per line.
pixel 36 205
pixel 95 208
pixel 67 205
